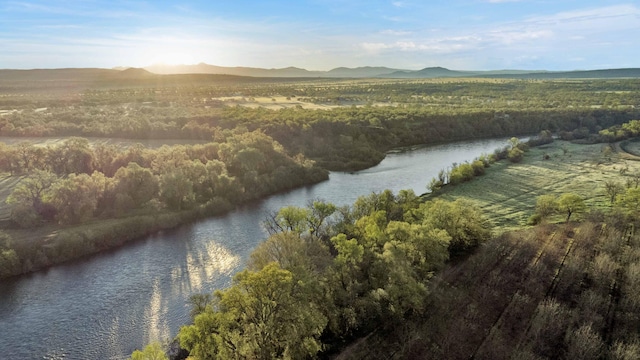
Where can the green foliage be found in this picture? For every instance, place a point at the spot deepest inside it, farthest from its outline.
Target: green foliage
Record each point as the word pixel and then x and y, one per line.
pixel 290 252
pixel 374 269
pixel 9 260
pixel 570 204
pixel 461 173
pixel 435 185
pixel 75 198
pixel 619 132
pixel 28 198
pixel 515 155
pixel 176 190
pixel 264 315
pixel 629 200
pixel 152 351
pixel 462 221
pixel 200 303
pixel 546 205
pixel 136 182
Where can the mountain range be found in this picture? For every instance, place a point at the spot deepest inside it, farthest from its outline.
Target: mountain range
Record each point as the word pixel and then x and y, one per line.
pixel 385 72
pixel 203 72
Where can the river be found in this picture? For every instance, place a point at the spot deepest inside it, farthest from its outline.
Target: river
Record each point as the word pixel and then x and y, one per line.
pixel 107 305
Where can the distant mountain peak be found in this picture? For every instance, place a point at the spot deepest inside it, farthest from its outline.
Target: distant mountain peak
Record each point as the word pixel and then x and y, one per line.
pixel 134 73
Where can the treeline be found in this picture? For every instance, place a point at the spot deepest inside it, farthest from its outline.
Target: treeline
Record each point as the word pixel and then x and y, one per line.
pixel 342 138
pixel 328 275
pixel 73 183
pixel 514 152
pixel 620 132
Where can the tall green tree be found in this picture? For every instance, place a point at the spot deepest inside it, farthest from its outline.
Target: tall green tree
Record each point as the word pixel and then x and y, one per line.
pixel 152 351
pixel 176 190
pixel 463 222
pixel 28 204
pixel 264 315
pixel 135 185
pixel 546 205
pixel 570 204
pixel 75 198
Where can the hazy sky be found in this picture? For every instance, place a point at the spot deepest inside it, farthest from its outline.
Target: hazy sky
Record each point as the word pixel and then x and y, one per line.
pixel 322 34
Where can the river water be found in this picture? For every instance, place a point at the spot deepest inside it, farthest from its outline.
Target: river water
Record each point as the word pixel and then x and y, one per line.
pixel 107 305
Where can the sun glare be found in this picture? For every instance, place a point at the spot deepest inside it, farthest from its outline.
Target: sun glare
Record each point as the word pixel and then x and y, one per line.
pixel 173 58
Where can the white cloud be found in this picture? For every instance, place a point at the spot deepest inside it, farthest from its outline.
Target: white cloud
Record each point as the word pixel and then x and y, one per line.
pixel 510 37
pixel 445 45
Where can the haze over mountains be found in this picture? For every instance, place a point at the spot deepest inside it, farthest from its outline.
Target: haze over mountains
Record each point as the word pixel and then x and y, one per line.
pixel 385 72
pixel 205 71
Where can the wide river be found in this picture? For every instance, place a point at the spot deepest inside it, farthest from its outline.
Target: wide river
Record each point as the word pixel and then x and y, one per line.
pixel 110 304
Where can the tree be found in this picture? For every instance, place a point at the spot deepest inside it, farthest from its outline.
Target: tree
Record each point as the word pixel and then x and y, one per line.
pixel 462 221
pixel 546 205
pixel 136 183
pixel 515 155
pixel 288 218
pixel 27 199
pixel 9 262
pixel 32 188
pixel 630 199
pixel 152 351
pixel 613 188
pixel 570 204
pixel 320 211
pixel 176 190
pixel 266 314
pixel 286 249
pixel 75 198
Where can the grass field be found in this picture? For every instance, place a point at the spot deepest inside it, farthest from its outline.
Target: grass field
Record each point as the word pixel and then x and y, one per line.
pixel 507 192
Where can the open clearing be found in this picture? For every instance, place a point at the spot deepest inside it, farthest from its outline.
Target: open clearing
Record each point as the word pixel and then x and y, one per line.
pixel 507 192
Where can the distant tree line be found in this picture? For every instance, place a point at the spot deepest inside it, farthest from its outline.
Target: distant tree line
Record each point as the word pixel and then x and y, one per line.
pixel 372 118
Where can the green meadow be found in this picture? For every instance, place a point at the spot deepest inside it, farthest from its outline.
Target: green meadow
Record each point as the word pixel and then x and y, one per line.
pixel 507 192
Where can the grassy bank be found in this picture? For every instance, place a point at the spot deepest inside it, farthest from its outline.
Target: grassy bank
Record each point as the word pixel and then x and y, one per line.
pixel 507 192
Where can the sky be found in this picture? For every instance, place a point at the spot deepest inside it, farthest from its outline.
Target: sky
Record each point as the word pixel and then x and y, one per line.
pixel 322 34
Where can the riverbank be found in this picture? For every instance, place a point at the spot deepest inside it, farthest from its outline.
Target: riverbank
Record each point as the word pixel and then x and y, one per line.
pixel 43 247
